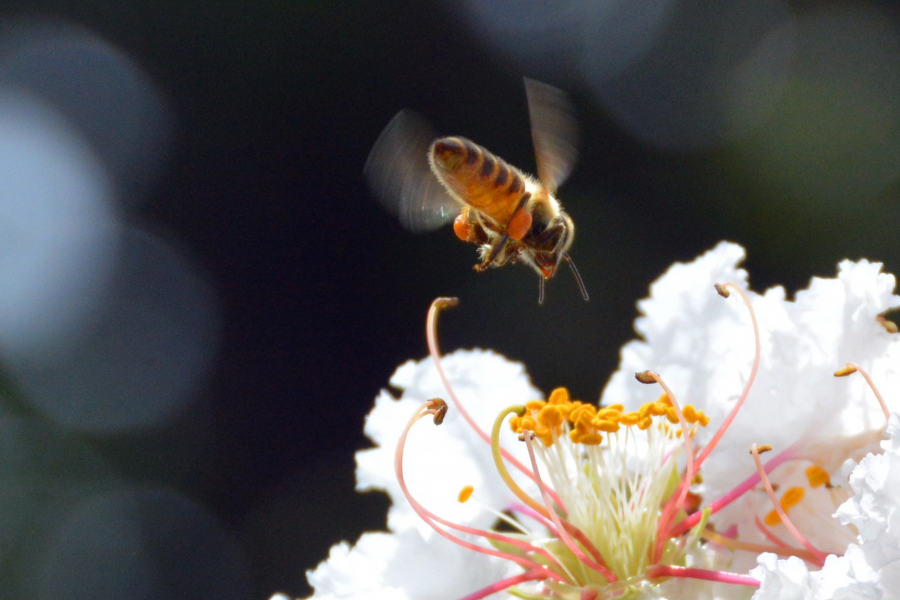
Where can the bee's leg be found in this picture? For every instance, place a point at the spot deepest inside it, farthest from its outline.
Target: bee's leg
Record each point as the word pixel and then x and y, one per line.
pixel 464 228
pixel 493 254
pixel 521 219
pixel 541 291
pixel 548 234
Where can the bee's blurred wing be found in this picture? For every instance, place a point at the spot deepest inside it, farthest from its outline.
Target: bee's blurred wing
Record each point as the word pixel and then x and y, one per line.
pixel 397 170
pixel 554 132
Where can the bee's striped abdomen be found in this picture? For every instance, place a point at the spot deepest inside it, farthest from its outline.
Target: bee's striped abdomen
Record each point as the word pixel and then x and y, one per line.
pixel 478 177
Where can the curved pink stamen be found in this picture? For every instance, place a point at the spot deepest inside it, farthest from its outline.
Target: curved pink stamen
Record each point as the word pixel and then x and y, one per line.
pixel 785 520
pixel 560 529
pixel 769 535
pixel 434 351
pixel 884 407
pixel 734 494
pixel 669 511
pixel 504 584
pixel 576 533
pixel 692 573
pixel 746 391
pixel 430 518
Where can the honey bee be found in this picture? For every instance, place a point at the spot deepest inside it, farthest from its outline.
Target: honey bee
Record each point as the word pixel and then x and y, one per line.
pixel 511 216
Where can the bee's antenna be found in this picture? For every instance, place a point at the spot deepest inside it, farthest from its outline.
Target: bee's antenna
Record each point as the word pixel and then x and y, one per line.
pixel 577 275
pixel 541 290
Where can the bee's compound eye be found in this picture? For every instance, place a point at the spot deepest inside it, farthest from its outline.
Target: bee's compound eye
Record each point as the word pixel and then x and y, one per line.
pixel 449 153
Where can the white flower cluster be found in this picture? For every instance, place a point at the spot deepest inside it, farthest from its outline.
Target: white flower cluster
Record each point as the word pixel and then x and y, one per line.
pixel 703 346
pixel 869 569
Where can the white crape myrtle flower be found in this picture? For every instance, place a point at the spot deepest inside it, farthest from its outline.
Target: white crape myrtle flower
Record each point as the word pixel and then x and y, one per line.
pixel 412 562
pixel 441 465
pixel 627 499
pixel 869 569
pixel 704 348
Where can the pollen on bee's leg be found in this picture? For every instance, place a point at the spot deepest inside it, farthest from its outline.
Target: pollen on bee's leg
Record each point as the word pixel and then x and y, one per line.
pixel 461 226
pixel 519 223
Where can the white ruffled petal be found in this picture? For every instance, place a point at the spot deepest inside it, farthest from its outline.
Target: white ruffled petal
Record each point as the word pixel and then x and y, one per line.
pixel 440 461
pixel 702 345
pixel 404 566
pixel 783 579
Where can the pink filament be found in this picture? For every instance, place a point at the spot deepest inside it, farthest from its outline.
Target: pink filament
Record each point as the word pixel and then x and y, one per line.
pixel 430 518
pixel 504 584
pixel 670 510
pixel 434 351
pixel 820 556
pixel 884 408
pixel 734 494
pixel 734 411
pixel 763 529
pixel 571 529
pixel 688 572
pixel 560 529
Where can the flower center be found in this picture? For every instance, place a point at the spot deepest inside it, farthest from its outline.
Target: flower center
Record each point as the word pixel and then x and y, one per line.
pixel 613 470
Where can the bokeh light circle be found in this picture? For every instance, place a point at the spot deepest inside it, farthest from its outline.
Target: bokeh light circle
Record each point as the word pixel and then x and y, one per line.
pixel 834 140
pixel 99 90
pixel 58 234
pixel 144 356
pixel 141 543
pixel 677 95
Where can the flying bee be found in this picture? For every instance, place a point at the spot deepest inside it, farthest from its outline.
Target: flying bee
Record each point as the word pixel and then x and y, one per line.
pixel 511 216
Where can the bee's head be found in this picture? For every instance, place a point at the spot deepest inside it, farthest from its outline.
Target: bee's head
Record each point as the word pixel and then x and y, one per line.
pixel 551 247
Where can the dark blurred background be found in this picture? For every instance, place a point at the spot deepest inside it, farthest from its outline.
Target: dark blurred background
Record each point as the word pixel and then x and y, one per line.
pixel 200 299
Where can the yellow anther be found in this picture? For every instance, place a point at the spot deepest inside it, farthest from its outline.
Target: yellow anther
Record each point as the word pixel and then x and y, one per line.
pixel 630 419
pixel 690 414
pixel 664 399
pixel 558 396
pixel 817 476
pixel 587 411
pixel 590 439
pixel 671 415
pixel 514 423
pixel 772 519
pixel 848 370
pixel 792 497
pixel 609 413
pixel 535 405
pixel 465 494
pixel 606 425
pixel 542 431
pixel 702 418
pixel 618 407
pixel 526 422
pixel 678 433
pixel 550 417
pixel 658 409
pixel 645 423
